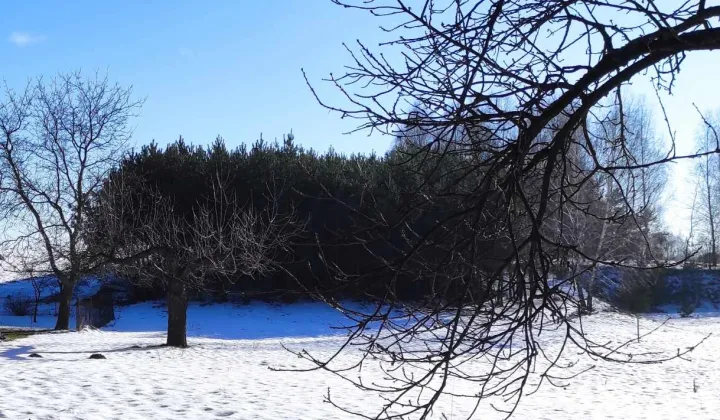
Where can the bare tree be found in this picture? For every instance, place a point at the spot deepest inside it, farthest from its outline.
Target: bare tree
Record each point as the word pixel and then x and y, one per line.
pixel 669 245
pixel 39 285
pixel 707 173
pixel 629 198
pixel 150 241
pixel 648 181
pixel 60 137
pixel 510 68
pixel 690 238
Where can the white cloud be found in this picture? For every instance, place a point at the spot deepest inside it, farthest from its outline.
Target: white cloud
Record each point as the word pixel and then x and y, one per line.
pixel 23 39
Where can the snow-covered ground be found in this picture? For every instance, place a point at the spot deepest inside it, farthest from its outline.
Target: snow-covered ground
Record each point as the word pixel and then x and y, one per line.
pixel 47 311
pixel 226 371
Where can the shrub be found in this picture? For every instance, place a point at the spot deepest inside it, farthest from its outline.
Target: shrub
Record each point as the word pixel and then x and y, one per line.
pixel 18 304
pixel 239 298
pixel 290 297
pixel 687 307
pixel 689 296
pixel 640 290
pixel 561 270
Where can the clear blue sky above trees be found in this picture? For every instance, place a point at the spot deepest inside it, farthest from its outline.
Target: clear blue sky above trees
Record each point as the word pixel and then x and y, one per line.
pixel 229 68
pixel 232 68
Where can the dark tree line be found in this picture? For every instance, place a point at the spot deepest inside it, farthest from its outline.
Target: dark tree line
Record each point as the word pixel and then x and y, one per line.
pixel 336 247
pixel 326 194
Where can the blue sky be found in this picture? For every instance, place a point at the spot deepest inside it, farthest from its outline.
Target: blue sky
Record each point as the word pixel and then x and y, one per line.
pixel 232 68
pixel 229 68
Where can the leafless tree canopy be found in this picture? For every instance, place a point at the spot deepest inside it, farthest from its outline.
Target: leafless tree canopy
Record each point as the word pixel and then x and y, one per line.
pixel 144 237
pixel 60 138
pixel 526 131
pixel 705 212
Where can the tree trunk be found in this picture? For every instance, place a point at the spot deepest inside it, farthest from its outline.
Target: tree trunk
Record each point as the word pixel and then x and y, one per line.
pixel 599 252
pixel 519 283
pixel 578 286
pixel 36 295
pixel 177 302
pixel 591 290
pixel 499 292
pixel 63 318
pixel 35 310
pixel 510 286
pixel 589 299
pixel 712 262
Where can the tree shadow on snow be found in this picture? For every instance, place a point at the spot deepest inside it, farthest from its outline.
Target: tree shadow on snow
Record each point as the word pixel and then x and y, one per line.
pixel 120 350
pixel 257 320
pixel 15 353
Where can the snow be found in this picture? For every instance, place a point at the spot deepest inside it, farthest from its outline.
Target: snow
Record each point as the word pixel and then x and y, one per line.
pixel 226 371
pixel 225 321
pixel 46 311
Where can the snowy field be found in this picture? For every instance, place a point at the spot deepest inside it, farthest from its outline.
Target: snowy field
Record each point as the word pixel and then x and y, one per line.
pixel 226 371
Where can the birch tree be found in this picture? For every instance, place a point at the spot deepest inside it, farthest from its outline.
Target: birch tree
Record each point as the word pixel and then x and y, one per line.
pixel 707 174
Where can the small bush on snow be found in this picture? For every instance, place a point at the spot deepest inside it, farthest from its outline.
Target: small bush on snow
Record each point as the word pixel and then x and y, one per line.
pixel 640 290
pixel 18 304
pixel 689 294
